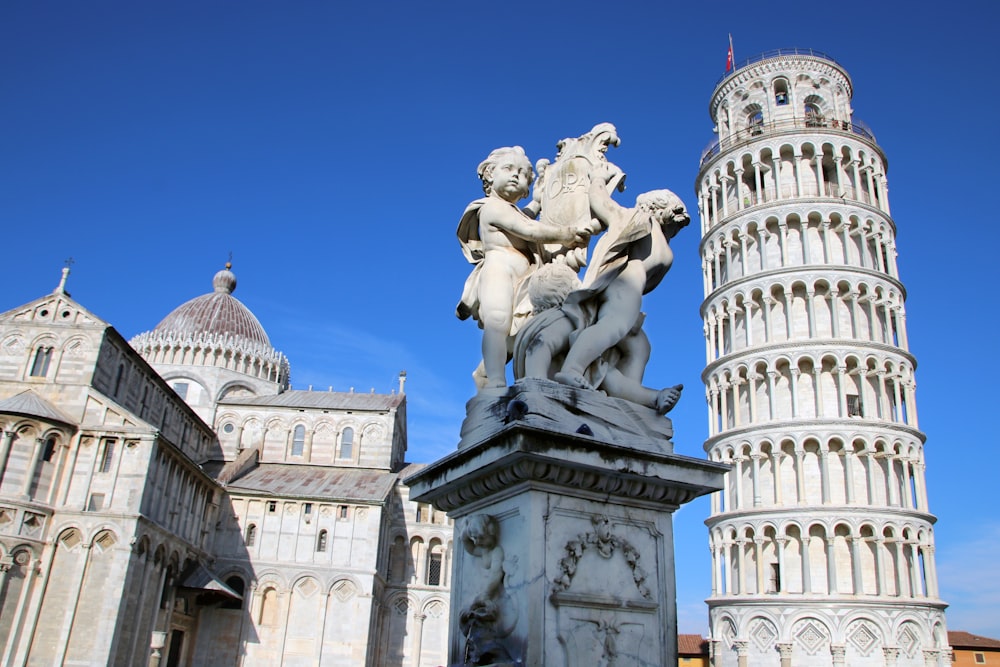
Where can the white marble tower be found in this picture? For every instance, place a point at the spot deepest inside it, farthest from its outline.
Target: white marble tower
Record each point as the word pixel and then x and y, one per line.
pixel 822 541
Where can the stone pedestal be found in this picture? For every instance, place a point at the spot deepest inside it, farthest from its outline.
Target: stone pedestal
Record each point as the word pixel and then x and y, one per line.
pixel 563 541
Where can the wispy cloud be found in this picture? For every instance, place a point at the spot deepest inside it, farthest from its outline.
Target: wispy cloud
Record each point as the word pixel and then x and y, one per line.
pixel 969 578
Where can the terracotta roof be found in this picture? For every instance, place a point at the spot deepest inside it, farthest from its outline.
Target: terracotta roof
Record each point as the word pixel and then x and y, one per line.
pixel 30 404
pixel 321 482
pixel 691 645
pixel 327 400
pixel 218 313
pixel 960 639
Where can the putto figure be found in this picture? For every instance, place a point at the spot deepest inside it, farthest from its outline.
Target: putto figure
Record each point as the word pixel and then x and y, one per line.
pixel 505 244
pixel 628 261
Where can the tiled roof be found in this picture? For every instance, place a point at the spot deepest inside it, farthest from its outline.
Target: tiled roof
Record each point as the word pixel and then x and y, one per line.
pixel 218 313
pixel 960 639
pixel 327 400
pixel 688 645
pixel 30 404
pixel 319 482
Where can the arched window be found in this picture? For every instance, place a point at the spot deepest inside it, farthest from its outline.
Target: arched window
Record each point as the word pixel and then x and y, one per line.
pixel 780 92
pixel 814 117
pixel 50 449
pixel 347 443
pixel 435 564
pixel 237 585
pixel 251 535
pixel 298 440
pixel 321 541
pixel 755 122
pixel 268 607
pixel 40 366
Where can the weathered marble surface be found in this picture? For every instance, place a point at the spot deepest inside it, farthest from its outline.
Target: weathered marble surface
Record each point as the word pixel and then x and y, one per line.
pixel 582 531
pixel 558 408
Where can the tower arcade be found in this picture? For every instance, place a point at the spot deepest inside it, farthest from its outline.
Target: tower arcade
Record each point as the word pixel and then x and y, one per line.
pixel 822 541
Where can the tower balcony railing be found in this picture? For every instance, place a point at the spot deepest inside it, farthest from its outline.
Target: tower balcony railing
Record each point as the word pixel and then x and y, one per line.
pixel 758 130
pixel 776 53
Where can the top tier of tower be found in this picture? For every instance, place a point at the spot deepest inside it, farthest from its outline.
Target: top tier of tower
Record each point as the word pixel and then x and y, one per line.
pixel 782 86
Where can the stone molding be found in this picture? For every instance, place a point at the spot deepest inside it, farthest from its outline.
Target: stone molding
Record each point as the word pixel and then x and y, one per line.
pixel 516 457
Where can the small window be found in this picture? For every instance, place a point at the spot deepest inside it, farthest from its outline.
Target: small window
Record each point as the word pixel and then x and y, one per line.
pixel 96 502
pixel 347 443
pixel 50 449
pixel 228 427
pixel 182 389
pixel 40 367
pixel 321 541
pixel 421 513
pixel 342 512
pixel 853 405
pixel 774 583
pixel 251 536
pixel 980 658
pixel 272 506
pixel 298 440
pixel 755 122
pixel 780 92
pixel 814 118
pixel 307 508
pixel 434 570
pixel 237 585
pixel 109 455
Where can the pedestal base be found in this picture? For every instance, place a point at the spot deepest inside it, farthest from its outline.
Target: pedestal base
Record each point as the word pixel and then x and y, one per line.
pixel 564 547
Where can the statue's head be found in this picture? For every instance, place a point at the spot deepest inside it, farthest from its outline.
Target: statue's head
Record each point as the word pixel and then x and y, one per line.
pixel 480 531
pixel 512 165
pixel 550 285
pixel 666 208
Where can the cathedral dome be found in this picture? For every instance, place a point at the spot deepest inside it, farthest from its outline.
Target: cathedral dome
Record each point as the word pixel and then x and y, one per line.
pixel 215 330
pixel 217 313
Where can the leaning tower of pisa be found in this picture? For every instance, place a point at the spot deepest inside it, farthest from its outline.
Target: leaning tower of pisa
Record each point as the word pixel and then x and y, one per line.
pixel 822 541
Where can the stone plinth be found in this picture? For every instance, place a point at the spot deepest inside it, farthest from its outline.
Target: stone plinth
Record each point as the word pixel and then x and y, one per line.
pixel 564 543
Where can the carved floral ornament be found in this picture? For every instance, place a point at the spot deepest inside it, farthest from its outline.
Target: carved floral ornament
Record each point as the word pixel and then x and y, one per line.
pixel 605 544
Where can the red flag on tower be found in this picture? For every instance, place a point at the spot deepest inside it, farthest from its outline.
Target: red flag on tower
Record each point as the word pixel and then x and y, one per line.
pixel 729 56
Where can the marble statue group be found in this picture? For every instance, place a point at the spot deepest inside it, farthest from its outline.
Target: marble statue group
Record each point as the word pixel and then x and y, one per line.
pixel 524 290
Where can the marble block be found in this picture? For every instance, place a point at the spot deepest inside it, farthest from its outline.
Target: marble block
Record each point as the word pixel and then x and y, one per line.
pixel 564 540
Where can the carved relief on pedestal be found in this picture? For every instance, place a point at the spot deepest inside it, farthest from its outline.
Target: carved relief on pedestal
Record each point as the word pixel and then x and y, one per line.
pixel 596 627
pixel 490 617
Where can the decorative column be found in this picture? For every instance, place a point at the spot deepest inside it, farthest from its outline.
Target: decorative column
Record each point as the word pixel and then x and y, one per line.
pixel 29 476
pixel 785 651
pixel 8 440
pixel 742 651
pixel 837 652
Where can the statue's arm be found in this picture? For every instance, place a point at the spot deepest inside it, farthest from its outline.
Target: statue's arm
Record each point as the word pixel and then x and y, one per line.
pixel 602 206
pixel 512 221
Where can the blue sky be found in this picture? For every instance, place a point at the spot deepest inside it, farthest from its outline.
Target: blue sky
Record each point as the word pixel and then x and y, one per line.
pixel 332 146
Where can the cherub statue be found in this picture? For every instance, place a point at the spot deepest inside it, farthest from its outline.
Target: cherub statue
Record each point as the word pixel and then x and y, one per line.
pixel 504 243
pixel 628 262
pixel 541 346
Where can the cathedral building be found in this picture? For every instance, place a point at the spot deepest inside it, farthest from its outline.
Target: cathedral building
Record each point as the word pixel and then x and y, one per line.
pixel 822 541
pixel 174 502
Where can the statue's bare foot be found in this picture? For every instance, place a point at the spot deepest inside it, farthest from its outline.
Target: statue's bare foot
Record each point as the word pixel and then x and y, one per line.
pixel 667 399
pixel 572 379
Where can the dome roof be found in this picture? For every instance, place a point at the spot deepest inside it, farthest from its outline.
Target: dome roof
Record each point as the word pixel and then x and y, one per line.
pixel 218 313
